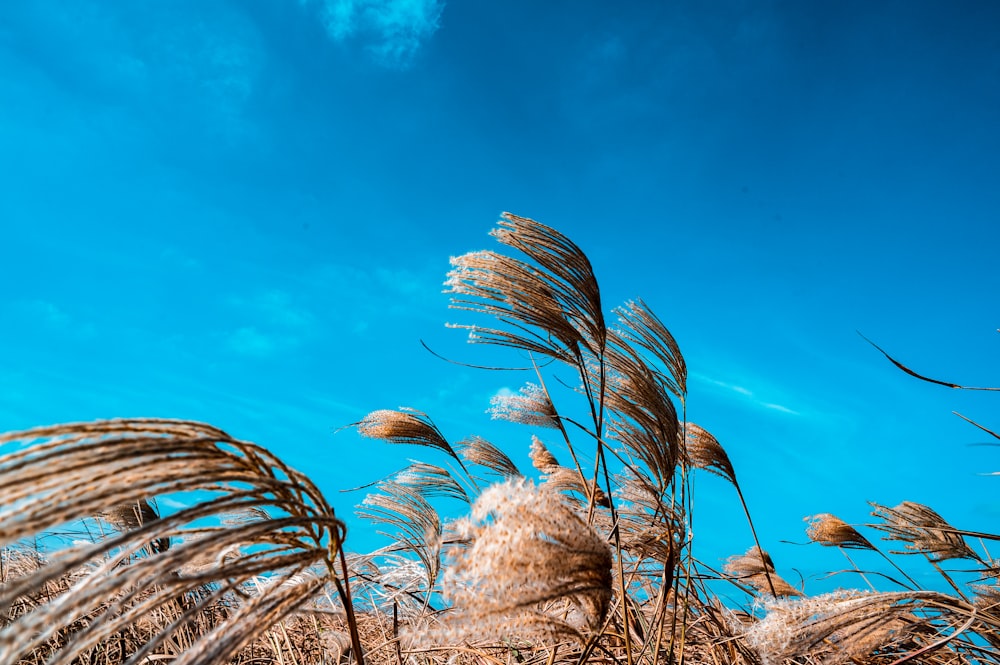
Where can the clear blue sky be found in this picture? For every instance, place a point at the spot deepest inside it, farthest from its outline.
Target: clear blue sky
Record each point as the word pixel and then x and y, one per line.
pixel 242 212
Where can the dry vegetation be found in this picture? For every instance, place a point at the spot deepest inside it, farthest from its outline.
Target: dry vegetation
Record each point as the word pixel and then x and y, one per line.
pixel 146 541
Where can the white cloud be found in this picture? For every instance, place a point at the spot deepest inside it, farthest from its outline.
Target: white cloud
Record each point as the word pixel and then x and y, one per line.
pixel 54 317
pixel 393 30
pixel 49 312
pixel 745 393
pixel 778 407
pixel 271 322
pixel 275 308
pixel 251 342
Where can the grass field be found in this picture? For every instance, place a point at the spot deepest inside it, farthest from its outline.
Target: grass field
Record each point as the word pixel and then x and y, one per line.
pixel 147 541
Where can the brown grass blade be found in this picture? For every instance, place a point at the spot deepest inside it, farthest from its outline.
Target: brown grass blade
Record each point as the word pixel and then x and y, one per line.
pixel 973 422
pixel 909 371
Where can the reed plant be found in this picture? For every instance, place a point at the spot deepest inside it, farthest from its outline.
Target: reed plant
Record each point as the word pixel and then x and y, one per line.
pixel 587 557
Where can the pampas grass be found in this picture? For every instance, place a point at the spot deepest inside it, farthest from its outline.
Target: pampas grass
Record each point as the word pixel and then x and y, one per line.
pixel 114 569
pixel 138 541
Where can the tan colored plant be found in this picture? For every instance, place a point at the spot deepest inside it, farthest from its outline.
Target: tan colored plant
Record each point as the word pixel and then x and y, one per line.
pixel 528 565
pixel 595 563
pixel 140 572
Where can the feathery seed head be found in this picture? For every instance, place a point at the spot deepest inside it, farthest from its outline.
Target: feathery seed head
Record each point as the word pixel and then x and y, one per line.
pixel 923 531
pixel 541 458
pixel 477 450
pixel 552 299
pixel 528 561
pixel 531 406
pixel 704 451
pixel 756 569
pixel 404 426
pixel 831 531
pixel 840 627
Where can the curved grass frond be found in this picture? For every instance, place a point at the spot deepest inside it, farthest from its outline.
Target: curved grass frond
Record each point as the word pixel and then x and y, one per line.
pixel 562 479
pixel 754 567
pixel 703 451
pixel 650 527
pixel 923 531
pixel 642 414
pixel 405 426
pixel 831 531
pixel 418 524
pixel 477 450
pixel 385 581
pixel 131 516
pixel 852 626
pixel 430 480
pixel 551 304
pixel 531 406
pixel 639 326
pixel 541 458
pixel 109 582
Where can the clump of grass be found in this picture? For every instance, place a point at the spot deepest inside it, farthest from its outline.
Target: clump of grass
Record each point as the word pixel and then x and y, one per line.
pixel 593 561
pixel 526 564
pixel 113 573
pixel 632 459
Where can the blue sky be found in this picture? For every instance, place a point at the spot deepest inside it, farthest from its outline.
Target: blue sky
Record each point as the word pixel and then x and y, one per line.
pixel 242 212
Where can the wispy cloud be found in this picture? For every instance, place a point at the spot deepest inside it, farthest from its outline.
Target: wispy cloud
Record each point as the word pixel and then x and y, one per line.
pixel 122 57
pixel 251 342
pixel 41 314
pixel 745 393
pixel 271 322
pixel 392 30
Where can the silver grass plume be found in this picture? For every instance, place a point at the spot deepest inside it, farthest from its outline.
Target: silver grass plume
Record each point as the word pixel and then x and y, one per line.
pixel 530 406
pixel 480 452
pixel 567 482
pixel 551 302
pixel 405 426
pixel 642 329
pixel 642 417
pixel 650 527
pixel 531 567
pixel 703 451
pixel 417 524
pixel 923 531
pixel 848 626
pixel 831 531
pixel 754 567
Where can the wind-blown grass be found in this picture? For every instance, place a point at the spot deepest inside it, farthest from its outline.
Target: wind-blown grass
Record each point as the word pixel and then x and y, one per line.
pixel 592 560
pixel 255 542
